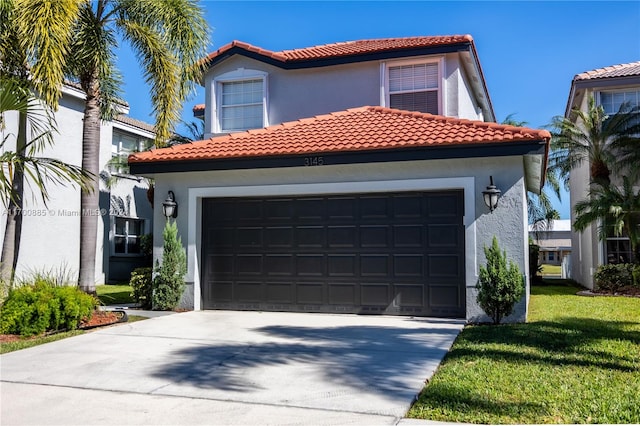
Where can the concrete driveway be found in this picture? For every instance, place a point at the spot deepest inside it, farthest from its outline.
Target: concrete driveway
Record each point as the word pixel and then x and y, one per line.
pixel 221 367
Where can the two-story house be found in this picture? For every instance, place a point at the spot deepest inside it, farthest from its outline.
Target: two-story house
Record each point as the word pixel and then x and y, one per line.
pixel 347 177
pixel 50 240
pixel 610 87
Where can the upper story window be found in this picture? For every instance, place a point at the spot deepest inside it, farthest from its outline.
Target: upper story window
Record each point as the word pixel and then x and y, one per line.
pixel 241 99
pixel 414 86
pixel 612 101
pixel 123 144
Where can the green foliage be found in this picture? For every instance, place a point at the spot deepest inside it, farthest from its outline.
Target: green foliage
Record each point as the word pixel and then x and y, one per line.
pixel 614 276
pixel 499 286
pixel 168 284
pixel 34 309
pixel 142 284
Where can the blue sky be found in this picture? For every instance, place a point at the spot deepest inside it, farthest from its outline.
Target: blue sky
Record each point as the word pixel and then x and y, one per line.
pixel 529 51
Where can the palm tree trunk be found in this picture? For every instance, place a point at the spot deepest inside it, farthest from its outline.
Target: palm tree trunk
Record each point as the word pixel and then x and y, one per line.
pixel 89 199
pixel 13 230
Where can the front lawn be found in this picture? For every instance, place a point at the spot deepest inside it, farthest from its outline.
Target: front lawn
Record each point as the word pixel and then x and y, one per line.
pixel 114 294
pixel 577 360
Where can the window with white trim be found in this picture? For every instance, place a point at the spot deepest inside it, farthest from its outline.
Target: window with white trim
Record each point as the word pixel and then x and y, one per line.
pixel 414 86
pixel 126 235
pixel 611 101
pixel 618 250
pixel 240 100
pixel 123 144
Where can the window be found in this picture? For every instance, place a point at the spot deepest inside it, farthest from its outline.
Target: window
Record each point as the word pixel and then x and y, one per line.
pixel 611 101
pixel 414 87
pixel 123 144
pixel 618 250
pixel 240 99
pixel 126 236
pixel 552 256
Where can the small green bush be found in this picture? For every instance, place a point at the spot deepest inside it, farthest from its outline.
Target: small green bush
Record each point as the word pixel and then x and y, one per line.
pixel 499 286
pixel 34 309
pixel 168 284
pixel 614 276
pixel 142 284
pixel 535 270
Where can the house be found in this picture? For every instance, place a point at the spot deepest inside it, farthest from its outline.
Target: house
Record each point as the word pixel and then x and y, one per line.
pixel 554 241
pixel 50 240
pixel 347 178
pixel 610 87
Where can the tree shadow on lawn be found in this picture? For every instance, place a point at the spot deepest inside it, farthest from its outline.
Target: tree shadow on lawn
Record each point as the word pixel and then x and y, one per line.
pixel 568 341
pixel 376 358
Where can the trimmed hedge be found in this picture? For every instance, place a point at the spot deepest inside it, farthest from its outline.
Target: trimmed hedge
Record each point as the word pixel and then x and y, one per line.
pixel 34 309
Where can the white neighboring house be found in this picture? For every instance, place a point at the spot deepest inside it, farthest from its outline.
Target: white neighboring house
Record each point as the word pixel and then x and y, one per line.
pixel 554 243
pixel 51 233
pixel 610 86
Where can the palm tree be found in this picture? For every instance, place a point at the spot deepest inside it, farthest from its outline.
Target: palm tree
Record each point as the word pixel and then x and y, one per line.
pixel 595 138
pixel 169 37
pixel 21 165
pixel 616 208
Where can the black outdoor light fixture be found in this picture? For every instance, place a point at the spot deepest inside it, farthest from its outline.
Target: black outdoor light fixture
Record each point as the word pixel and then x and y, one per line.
pixel 491 195
pixel 169 206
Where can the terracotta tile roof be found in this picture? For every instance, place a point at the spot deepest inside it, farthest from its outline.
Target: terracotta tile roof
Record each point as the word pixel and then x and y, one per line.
pixel 198 107
pixel 135 123
pixel 358 129
pixel 621 70
pixel 348 48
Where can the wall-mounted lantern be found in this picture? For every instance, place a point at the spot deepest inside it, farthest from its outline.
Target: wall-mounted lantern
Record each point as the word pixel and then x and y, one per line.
pixel 169 206
pixel 491 195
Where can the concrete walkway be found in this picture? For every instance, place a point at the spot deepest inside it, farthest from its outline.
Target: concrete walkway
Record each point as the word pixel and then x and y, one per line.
pixel 221 367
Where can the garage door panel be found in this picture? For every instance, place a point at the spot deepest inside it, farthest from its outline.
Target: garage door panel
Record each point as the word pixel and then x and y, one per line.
pixel 342 236
pixel 440 236
pixel 375 236
pixel 310 265
pixel 279 264
pixel 280 292
pixel 375 294
pixel 399 254
pixel 445 265
pixel 279 236
pixel 248 264
pixel 341 265
pixel 377 265
pixel 310 293
pixel 343 294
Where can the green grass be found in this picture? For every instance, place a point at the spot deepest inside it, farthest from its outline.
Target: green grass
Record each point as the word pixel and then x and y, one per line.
pixel 551 270
pixel 577 360
pixel 113 294
pixel 29 342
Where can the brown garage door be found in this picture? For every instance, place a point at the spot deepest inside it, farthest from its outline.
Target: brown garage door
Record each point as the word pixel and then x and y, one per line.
pixel 400 253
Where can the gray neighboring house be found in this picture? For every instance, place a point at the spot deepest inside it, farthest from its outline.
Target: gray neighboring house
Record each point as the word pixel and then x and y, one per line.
pixel 610 86
pixel 347 178
pixel 51 234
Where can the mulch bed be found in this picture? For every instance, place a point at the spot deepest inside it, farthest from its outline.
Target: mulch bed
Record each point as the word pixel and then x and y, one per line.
pixel 628 291
pixel 98 319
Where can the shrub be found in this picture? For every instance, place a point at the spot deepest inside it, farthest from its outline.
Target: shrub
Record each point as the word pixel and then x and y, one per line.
pixel 635 274
pixel 534 268
pixel 614 276
pixel 499 287
pixel 39 307
pixel 168 284
pixel 142 284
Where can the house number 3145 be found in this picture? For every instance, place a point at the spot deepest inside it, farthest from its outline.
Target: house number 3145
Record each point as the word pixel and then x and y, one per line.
pixel 313 161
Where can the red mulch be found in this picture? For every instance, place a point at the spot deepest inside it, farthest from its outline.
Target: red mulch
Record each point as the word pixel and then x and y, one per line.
pixel 98 319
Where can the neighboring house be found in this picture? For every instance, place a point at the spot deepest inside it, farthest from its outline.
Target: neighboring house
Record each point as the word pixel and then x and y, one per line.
pixel 50 239
pixel 554 242
pixel 611 87
pixel 347 178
